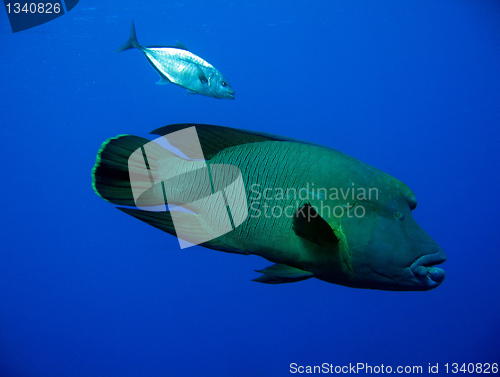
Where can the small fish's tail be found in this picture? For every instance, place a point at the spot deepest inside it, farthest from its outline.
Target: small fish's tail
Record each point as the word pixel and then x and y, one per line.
pixel 132 41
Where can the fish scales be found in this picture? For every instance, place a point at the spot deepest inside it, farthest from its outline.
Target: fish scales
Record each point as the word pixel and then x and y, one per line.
pixel 176 64
pixel 330 225
pixel 269 165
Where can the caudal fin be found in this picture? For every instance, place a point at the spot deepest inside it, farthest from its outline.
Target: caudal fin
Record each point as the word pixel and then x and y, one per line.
pixel 134 171
pixel 132 41
pixel 110 175
pixel 124 158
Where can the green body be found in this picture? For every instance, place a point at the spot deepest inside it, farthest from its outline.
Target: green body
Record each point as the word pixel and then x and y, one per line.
pixel 359 231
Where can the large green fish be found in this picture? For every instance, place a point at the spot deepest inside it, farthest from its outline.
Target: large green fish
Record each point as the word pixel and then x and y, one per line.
pixel 311 210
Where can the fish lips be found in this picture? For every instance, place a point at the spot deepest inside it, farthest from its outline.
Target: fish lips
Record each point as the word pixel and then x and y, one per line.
pixel 425 270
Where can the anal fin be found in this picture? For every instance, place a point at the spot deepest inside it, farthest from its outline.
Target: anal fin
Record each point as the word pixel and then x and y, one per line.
pixel 163 81
pixel 188 225
pixel 282 273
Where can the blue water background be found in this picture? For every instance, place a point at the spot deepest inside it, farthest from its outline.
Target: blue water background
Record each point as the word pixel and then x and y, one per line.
pixel 410 87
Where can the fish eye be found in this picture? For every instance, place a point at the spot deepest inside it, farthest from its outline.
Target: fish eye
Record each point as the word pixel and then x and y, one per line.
pixel 223 83
pixel 399 215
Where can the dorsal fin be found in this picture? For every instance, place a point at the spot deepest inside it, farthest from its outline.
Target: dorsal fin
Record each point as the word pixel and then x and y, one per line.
pixel 180 45
pixel 214 139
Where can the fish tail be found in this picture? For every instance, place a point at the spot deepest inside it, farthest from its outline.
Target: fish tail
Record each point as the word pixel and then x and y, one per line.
pixel 132 41
pixel 123 158
pixel 134 171
pixel 110 175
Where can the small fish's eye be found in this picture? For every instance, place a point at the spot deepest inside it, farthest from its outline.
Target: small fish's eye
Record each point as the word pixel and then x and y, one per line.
pixel 399 215
pixel 223 83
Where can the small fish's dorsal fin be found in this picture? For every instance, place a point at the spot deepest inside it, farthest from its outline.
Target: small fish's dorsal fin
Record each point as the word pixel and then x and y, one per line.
pixel 180 46
pixel 282 273
pixel 308 224
pixel 214 139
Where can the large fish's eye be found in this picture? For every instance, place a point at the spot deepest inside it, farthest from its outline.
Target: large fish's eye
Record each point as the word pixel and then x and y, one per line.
pixel 399 215
pixel 223 83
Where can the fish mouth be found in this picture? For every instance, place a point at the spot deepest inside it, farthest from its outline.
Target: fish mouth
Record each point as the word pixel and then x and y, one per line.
pixel 425 270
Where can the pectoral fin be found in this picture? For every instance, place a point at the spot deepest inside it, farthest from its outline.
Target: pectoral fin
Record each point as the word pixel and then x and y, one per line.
pixel 282 273
pixel 308 224
pixel 201 76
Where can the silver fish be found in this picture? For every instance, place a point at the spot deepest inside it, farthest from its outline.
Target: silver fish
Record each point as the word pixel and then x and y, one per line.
pixel 179 66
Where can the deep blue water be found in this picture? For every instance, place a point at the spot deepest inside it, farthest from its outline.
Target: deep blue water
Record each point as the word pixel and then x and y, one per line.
pixel 411 88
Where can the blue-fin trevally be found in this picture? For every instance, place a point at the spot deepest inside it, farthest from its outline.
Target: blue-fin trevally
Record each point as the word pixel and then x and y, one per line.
pixel 179 66
pixel 311 210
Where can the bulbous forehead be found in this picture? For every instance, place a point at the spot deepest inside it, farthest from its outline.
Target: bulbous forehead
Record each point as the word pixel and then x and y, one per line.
pixel 392 193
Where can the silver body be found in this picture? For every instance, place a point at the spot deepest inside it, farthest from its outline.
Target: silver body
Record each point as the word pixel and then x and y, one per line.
pixel 179 66
pixel 188 70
